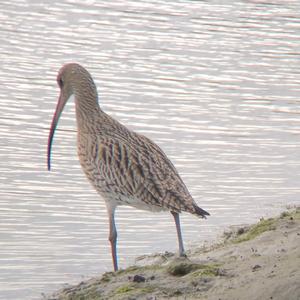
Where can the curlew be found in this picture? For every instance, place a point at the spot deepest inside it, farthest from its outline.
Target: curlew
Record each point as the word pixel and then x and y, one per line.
pixel 126 168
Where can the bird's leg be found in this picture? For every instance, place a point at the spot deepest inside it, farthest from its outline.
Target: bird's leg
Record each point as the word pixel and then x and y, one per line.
pixel 180 242
pixel 113 237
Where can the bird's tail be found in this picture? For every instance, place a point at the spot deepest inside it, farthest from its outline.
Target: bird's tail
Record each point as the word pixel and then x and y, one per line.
pixel 200 212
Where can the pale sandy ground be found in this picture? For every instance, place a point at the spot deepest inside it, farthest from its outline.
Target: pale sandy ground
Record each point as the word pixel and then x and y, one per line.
pixel 266 266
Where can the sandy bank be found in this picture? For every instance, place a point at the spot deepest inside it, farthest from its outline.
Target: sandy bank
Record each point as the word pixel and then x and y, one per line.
pixel 260 262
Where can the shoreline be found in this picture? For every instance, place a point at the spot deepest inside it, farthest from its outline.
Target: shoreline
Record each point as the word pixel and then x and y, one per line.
pixel 260 261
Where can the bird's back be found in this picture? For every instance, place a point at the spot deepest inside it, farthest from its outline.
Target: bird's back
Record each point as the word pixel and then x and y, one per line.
pixel 130 169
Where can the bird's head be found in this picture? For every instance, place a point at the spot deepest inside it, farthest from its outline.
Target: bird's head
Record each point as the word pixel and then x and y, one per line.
pixel 71 79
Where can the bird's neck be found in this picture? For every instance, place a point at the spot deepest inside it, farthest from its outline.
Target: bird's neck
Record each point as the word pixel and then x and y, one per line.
pixel 87 109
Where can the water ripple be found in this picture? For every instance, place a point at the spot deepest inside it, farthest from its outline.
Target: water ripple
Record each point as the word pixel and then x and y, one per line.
pixel 215 85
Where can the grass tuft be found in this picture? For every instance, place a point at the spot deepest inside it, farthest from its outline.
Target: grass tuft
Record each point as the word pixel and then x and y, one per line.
pixel 257 229
pixel 124 289
pixel 184 268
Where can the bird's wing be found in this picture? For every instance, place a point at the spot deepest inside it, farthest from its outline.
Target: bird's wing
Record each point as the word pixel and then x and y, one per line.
pixel 138 168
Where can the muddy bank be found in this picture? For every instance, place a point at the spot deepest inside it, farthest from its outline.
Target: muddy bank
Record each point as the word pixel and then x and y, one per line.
pixel 261 261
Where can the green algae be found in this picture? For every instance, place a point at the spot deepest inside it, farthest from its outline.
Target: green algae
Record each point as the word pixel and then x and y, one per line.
pixel 256 230
pixel 184 268
pixel 264 225
pixel 124 289
pixel 208 270
pixel 133 289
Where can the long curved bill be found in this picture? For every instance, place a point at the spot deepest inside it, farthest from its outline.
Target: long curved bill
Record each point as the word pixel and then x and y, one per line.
pixel 59 108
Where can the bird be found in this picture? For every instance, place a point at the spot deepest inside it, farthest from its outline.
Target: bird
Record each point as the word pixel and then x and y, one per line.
pixel 124 167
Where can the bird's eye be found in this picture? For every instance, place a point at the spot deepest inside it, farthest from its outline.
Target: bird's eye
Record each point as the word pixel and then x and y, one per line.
pixel 60 82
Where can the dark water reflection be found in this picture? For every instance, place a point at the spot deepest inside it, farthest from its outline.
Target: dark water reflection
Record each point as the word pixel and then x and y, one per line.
pixel 215 85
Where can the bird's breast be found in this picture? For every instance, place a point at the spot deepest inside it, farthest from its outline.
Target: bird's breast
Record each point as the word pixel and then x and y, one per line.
pixel 92 161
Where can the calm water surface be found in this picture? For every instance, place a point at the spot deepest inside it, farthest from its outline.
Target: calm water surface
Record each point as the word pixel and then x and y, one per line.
pixel 215 83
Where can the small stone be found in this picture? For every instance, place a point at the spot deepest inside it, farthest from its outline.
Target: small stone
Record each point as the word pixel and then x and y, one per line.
pixel 255 268
pixel 99 291
pixel 240 231
pixel 138 278
pixel 194 283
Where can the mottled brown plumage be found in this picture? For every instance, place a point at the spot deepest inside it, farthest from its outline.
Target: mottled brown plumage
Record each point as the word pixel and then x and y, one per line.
pixel 126 168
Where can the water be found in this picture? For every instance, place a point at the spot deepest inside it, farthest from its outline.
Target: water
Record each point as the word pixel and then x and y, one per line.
pixel 215 83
